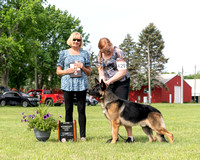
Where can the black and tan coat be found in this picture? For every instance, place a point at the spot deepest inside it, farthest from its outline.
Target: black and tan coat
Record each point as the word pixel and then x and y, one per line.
pixel 127 113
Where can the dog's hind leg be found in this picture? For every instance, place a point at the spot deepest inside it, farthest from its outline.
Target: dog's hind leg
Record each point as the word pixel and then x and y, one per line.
pixel 161 132
pixel 149 133
pixel 156 122
pixel 161 138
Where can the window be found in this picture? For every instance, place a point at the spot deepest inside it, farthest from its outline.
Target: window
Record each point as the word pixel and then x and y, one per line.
pixel 146 90
pixel 47 92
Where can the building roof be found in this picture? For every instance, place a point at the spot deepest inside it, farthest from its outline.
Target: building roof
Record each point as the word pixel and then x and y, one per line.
pixel 191 82
pixel 164 78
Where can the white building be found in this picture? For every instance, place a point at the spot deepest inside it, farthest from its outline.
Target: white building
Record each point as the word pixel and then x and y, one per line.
pixel 195 84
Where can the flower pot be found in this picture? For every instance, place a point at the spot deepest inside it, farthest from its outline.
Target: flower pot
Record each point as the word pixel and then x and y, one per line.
pixel 41 135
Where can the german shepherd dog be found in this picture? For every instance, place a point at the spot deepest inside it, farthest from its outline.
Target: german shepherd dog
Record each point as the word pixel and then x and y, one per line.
pixel 123 112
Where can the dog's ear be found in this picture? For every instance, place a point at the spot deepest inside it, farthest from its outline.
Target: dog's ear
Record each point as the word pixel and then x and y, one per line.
pixel 96 81
pixel 103 85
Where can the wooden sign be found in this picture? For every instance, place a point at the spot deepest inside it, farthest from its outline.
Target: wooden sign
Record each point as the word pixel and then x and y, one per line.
pixel 67 131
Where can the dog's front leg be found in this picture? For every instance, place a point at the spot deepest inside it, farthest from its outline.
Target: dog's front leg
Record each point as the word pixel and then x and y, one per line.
pixel 115 130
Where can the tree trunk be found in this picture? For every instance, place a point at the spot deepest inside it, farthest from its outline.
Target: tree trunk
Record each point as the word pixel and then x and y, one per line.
pixel 36 75
pixel 4 77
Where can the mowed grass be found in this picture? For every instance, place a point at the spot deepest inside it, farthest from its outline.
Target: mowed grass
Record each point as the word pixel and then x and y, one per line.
pixel 16 142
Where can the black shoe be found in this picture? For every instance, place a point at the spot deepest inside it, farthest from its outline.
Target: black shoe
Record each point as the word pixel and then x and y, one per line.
pixel 108 141
pixel 129 140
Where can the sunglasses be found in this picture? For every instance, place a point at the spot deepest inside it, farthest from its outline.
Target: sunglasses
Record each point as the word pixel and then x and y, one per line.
pixel 78 40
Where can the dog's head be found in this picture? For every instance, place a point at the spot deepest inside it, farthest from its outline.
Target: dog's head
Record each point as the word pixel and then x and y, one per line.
pixel 99 89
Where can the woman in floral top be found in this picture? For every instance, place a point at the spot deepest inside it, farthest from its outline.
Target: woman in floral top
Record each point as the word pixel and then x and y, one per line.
pixel 74 67
pixel 112 69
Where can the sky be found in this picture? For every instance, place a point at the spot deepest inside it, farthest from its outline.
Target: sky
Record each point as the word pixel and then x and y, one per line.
pixel 177 20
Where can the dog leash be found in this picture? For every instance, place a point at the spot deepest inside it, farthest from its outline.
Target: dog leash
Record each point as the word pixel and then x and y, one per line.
pixel 121 137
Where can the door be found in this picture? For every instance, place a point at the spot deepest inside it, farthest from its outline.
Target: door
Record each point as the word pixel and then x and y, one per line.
pixel 177 94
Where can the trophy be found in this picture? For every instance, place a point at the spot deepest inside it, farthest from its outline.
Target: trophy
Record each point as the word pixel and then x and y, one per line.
pixel 75 67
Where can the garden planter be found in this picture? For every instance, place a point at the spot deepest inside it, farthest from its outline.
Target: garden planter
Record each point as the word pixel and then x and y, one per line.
pixel 41 135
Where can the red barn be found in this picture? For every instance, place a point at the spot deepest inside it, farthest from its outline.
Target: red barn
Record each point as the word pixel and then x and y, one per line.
pixel 159 94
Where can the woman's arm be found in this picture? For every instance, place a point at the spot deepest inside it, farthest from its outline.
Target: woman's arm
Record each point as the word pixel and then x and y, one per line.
pixel 61 72
pixel 101 74
pixel 116 77
pixel 86 69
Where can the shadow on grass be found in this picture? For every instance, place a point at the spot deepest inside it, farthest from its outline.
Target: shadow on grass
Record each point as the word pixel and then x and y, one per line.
pixel 122 138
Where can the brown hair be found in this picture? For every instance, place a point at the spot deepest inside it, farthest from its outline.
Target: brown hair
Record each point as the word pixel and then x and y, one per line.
pixel 103 43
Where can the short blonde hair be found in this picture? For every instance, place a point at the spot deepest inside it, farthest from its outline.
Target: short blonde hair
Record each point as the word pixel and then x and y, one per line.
pixel 75 35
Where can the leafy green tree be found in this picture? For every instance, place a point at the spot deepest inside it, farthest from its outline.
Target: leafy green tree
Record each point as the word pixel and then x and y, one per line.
pixel 30 38
pixel 192 76
pixel 94 70
pixel 133 60
pixel 19 38
pixel 60 26
pixel 152 43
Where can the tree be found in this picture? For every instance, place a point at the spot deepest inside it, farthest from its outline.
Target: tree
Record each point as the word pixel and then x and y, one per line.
pixel 60 26
pixel 30 38
pixel 94 70
pixel 151 41
pixel 19 37
pixel 192 76
pixel 133 60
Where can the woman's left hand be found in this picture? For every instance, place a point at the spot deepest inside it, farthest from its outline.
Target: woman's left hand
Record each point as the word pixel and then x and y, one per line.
pixel 107 82
pixel 80 65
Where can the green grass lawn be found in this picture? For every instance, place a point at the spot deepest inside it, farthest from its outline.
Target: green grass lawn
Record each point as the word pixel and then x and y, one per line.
pixel 16 142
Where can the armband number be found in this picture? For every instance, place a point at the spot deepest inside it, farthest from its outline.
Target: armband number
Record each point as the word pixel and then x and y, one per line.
pixel 121 65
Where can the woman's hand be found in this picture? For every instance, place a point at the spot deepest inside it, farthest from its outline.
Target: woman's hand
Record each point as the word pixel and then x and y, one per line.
pixel 107 82
pixel 80 65
pixel 69 70
pixel 102 78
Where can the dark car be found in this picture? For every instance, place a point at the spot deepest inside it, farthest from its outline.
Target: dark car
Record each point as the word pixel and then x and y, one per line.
pixel 3 89
pixel 18 98
pixel 89 101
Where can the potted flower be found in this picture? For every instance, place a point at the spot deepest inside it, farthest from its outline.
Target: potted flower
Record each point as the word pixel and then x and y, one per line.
pixel 42 122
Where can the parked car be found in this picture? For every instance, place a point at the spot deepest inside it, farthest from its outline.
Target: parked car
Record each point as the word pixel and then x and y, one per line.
pixel 18 98
pixel 3 89
pixel 89 101
pixel 47 97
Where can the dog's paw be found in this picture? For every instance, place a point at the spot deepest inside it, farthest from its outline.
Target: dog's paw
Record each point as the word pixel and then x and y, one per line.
pixel 113 142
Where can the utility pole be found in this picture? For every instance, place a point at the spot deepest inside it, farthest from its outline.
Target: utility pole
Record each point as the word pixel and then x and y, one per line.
pixel 36 74
pixel 182 86
pixel 149 75
pixel 195 84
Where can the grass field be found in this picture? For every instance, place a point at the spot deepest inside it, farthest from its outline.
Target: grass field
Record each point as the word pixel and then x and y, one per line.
pixel 16 142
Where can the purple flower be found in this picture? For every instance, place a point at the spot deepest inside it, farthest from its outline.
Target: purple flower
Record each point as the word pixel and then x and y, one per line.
pixel 24 116
pixel 48 114
pixel 22 120
pixel 37 111
pixel 25 120
pixel 22 113
pixel 29 116
pixel 44 117
pixel 60 116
